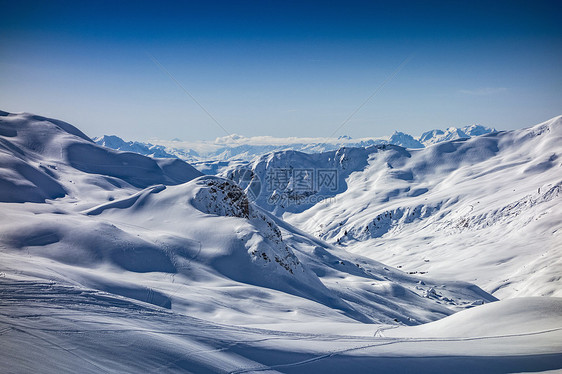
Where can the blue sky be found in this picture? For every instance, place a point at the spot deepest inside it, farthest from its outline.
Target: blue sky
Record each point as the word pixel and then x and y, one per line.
pixel 281 68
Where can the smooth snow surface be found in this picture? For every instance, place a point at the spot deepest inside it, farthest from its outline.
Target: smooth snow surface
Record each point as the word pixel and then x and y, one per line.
pixel 116 262
pixel 74 330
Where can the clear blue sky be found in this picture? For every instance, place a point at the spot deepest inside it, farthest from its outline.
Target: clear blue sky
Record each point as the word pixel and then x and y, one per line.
pixel 287 68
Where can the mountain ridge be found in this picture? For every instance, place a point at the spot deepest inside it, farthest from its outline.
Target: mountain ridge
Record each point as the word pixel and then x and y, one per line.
pixel 239 148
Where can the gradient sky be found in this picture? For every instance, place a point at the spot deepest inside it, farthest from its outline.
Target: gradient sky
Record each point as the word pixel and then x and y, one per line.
pixel 287 68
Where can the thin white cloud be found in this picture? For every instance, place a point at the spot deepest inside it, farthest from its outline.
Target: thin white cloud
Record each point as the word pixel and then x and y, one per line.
pixel 234 140
pixel 484 91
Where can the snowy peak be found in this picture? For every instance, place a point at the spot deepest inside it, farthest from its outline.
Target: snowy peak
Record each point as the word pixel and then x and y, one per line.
pixel 404 140
pixel 477 130
pixel 453 133
pixel 236 147
pixel 31 136
pixel 146 149
pixel 429 135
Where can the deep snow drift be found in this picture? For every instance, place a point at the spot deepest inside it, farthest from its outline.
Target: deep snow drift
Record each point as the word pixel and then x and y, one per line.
pixel 112 261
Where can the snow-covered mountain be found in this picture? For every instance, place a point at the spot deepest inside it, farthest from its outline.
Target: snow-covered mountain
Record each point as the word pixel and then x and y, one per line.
pixel 485 210
pixel 404 140
pixel 236 147
pixel 146 149
pixel 292 181
pixel 452 133
pixel 116 262
pixel 137 219
pixel 489 202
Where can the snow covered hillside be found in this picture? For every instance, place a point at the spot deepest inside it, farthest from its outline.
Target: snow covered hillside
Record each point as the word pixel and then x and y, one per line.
pixel 42 158
pixel 484 210
pixel 291 181
pixel 236 147
pixel 116 262
pixel 114 222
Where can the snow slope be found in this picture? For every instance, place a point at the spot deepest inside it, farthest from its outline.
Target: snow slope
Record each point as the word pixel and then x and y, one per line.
pixel 75 330
pixel 509 317
pixel 259 177
pixel 201 249
pixel 43 158
pixel 484 210
pixel 113 262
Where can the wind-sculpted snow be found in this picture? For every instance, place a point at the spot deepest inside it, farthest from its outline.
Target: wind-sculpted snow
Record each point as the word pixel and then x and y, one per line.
pixel 137 170
pixel 127 202
pixel 508 317
pixel 109 234
pixel 21 182
pixel 247 246
pixel 76 242
pixel 37 154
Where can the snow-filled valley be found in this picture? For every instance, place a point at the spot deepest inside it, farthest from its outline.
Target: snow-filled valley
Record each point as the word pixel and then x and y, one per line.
pixel 440 258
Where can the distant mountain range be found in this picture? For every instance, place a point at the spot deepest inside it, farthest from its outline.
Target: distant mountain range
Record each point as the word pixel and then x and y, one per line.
pixel 146 149
pixel 236 147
